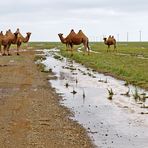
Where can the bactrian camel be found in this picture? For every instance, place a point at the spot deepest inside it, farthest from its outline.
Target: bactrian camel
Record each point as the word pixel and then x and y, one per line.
pixel 21 40
pixel 75 39
pixel 12 38
pixel 110 41
pixel 6 41
pixel 67 39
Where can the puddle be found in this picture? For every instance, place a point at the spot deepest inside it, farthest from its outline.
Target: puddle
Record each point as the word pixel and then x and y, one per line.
pixel 117 123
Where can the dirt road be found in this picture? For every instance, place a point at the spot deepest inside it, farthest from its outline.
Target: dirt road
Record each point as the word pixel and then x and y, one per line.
pixel 30 114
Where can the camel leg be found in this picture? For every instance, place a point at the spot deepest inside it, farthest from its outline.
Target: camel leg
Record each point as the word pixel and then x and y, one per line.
pixel 0 49
pixel 71 49
pixel 4 49
pixel 108 48
pixel 88 48
pixel 67 46
pixel 115 48
pixel 8 49
pixel 85 49
pixel 27 45
pixel 18 48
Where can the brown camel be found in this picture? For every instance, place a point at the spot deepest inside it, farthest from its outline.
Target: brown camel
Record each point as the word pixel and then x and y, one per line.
pixel 21 40
pixel 6 41
pixel 79 38
pixel 76 39
pixel 12 39
pixel 67 40
pixel 110 41
pixel 3 42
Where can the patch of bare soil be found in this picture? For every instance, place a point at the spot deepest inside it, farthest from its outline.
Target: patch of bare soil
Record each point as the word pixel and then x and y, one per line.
pixel 30 113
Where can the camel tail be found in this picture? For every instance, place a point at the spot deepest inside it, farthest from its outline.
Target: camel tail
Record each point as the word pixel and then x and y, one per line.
pixel 88 45
pixel 88 48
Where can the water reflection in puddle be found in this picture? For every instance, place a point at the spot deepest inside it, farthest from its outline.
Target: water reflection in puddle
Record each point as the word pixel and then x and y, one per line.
pixel 116 123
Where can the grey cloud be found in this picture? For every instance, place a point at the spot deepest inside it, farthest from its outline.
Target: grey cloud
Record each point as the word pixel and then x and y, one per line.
pixel 52 16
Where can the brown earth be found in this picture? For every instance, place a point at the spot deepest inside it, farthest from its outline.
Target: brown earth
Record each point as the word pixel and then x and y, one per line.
pixel 30 113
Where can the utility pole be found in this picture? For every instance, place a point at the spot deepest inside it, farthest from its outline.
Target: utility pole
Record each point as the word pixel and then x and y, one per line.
pixel 118 37
pixel 140 35
pixel 127 37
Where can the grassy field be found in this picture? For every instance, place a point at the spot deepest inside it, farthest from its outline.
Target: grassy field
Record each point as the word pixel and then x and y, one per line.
pixel 129 63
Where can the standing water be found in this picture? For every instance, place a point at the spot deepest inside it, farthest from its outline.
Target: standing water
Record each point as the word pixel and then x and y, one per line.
pixel 104 106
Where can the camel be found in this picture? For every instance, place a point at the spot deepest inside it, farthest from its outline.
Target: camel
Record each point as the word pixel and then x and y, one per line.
pixel 1 38
pixel 76 39
pixel 110 41
pixel 79 38
pixel 6 40
pixel 12 39
pixel 3 42
pixel 67 39
pixel 21 40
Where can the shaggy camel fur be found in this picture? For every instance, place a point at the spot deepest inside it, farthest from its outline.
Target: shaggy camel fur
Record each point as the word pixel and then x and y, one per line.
pixel 6 40
pixel 21 40
pixel 75 39
pixel 110 41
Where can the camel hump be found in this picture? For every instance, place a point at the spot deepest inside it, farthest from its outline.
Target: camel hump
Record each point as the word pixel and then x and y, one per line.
pixel 109 36
pixel 72 30
pixel 70 35
pixel 82 34
pixel 17 30
pixel 9 30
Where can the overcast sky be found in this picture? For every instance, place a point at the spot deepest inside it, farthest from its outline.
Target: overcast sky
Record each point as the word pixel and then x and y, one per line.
pixel 46 18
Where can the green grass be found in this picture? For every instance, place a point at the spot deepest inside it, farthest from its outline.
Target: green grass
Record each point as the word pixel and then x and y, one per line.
pixel 123 64
pixel 45 45
pixel 39 45
pixel 127 67
pixel 131 48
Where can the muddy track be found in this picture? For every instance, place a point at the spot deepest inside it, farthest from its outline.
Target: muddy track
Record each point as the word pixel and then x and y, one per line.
pixel 30 114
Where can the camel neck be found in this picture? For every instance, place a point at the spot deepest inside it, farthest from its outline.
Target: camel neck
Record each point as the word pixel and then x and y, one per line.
pixel 62 39
pixel 26 39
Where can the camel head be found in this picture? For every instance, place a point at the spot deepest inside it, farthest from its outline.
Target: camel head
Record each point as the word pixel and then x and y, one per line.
pixel 104 39
pixel 63 40
pixel 16 34
pixel 26 39
pixel 60 34
pixel 28 34
pixel 15 37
